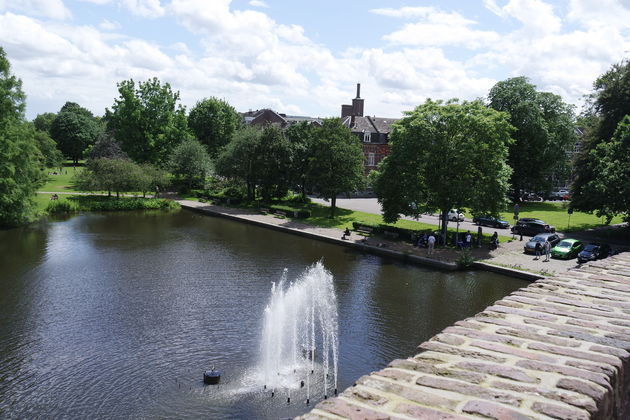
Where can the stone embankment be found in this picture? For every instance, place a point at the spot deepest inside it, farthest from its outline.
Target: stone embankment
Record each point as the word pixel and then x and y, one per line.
pixel 557 349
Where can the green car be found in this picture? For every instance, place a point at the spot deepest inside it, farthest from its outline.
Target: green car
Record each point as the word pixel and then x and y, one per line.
pixel 567 249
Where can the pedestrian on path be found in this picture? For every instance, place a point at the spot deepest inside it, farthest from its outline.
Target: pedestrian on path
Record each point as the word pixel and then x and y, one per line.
pixel 431 244
pixel 547 250
pixel 538 250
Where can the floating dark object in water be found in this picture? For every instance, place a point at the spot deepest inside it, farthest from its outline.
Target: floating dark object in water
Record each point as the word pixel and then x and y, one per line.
pixel 335 391
pixel 211 377
pixel 301 384
pixel 288 400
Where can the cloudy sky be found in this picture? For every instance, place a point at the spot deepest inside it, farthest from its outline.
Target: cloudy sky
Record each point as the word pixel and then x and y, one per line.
pixel 305 57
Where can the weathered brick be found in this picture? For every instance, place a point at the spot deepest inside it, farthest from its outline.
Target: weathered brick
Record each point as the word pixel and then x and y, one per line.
pixel 594 391
pixel 536 336
pixel 485 336
pixel 501 371
pixel 367 397
pixel 560 412
pixel 580 304
pixel 396 374
pixel 600 324
pixel 424 413
pixel 494 411
pixel 469 389
pixel 604 369
pixel 449 339
pixel 521 312
pixel 597 378
pixel 577 333
pixel 620 353
pixel 351 411
pixel 439 347
pixel 469 323
pixel 577 354
pixel 568 397
pixel 431 368
pixel 514 351
pixel 409 392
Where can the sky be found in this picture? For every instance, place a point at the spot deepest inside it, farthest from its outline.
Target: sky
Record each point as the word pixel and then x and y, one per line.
pixel 306 57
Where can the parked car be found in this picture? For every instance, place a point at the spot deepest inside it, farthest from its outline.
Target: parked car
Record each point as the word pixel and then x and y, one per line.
pixel 532 227
pixel 454 215
pixel 560 195
pixel 491 221
pixel 567 249
pixel 552 238
pixel 593 252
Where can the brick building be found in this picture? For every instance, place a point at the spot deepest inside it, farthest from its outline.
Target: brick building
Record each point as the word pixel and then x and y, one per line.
pixel 372 131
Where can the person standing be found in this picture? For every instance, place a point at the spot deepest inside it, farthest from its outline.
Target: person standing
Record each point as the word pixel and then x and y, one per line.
pixel 468 240
pixel 538 250
pixel 547 250
pixel 431 244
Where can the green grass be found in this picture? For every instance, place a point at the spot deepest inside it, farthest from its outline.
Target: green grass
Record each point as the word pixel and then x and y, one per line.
pixel 63 181
pixel 555 214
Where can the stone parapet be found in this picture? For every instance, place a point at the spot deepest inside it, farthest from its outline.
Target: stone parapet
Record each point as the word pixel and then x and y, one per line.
pixel 557 349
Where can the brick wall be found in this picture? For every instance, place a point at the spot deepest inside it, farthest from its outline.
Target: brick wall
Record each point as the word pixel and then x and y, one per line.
pixel 557 349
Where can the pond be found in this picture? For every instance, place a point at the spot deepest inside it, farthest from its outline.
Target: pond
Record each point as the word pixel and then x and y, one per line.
pixel 115 316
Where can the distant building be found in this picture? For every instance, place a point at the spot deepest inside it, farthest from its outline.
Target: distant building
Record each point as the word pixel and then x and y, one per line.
pixel 372 131
pixel 262 117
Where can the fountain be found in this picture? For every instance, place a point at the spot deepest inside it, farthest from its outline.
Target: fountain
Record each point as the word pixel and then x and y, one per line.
pixel 300 335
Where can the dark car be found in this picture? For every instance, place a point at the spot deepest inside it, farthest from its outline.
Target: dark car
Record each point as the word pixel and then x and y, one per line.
pixel 552 238
pixel 592 252
pixel 491 221
pixel 532 227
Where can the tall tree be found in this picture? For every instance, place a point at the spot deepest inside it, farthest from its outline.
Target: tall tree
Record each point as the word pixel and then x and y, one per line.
pixel 609 190
pixel 20 168
pixel 214 121
pixel 336 161
pixel 106 146
pixel 238 158
pixel 191 163
pixel 74 130
pixel 273 163
pixel 51 155
pixel 44 121
pixel 147 120
pixel 301 137
pixel 443 156
pixel 545 130
pixel 609 104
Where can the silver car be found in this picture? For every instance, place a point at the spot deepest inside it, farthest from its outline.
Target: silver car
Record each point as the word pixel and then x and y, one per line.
pixel 530 246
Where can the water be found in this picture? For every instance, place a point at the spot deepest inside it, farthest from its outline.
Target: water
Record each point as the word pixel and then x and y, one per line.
pixel 116 316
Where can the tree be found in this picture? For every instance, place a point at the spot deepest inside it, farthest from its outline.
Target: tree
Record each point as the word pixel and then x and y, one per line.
pixel 214 121
pixel 44 121
pixel 20 168
pixel 443 156
pixel 609 189
pixel 336 161
pixel 609 104
pixel 74 129
pixel 106 146
pixel 238 159
pixel 545 129
pixel 191 163
pixel 301 137
pixel 51 155
pixel 147 120
pixel 272 163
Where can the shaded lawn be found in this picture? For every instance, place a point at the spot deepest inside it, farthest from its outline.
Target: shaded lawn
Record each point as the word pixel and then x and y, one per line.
pixel 63 181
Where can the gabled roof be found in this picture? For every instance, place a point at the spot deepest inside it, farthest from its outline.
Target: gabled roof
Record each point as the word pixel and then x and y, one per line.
pixel 371 124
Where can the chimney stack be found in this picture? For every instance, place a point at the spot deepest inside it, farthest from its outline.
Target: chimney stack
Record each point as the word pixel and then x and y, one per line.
pixel 358 90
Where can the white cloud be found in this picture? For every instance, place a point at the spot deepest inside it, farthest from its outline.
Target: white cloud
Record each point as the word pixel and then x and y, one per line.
pixel 144 8
pixel 109 25
pixel 54 9
pixel 600 13
pixel 258 3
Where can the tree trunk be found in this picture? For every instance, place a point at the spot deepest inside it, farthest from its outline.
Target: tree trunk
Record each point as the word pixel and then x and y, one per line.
pixel 333 206
pixel 444 217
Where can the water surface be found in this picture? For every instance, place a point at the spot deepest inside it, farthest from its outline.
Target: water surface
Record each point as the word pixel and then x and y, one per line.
pixel 116 316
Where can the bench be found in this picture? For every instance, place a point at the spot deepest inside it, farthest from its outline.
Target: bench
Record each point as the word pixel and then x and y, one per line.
pixel 364 229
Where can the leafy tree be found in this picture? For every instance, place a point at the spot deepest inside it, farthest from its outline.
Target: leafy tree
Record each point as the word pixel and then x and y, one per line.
pixel 111 175
pixel 147 120
pixel 336 161
pixel 51 155
pixel 609 104
pixel 609 190
pixel 44 121
pixel 273 163
pixel 239 157
pixel 106 146
pixel 214 121
pixel 20 172
pixel 191 163
pixel 301 137
pixel 74 129
pixel 445 155
pixel 545 129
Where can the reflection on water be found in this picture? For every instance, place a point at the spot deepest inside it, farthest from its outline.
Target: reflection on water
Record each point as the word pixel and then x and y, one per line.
pixel 117 315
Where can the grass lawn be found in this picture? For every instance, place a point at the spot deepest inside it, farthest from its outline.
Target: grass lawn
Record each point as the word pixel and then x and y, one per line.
pixel 555 214
pixel 63 181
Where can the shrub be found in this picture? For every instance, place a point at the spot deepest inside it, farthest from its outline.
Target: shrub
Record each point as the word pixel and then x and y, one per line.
pixel 61 206
pixel 97 203
pixel 465 259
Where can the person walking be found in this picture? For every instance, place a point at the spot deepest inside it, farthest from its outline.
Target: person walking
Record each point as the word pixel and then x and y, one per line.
pixel 547 250
pixel 431 244
pixel 538 250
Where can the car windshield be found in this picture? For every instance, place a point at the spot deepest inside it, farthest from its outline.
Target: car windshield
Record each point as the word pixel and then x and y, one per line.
pixel 565 244
pixel 590 247
pixel 539 239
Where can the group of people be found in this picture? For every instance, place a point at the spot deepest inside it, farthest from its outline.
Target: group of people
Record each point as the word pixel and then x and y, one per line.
pixel 54 197
pixel 540 248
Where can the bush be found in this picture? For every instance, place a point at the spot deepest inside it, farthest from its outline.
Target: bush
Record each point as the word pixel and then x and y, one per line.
pixel 61 206
pixel 98 203
pixel 465 259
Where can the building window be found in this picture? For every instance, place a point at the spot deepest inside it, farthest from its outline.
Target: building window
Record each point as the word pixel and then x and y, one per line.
pixel 367 137
pixel 370 159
